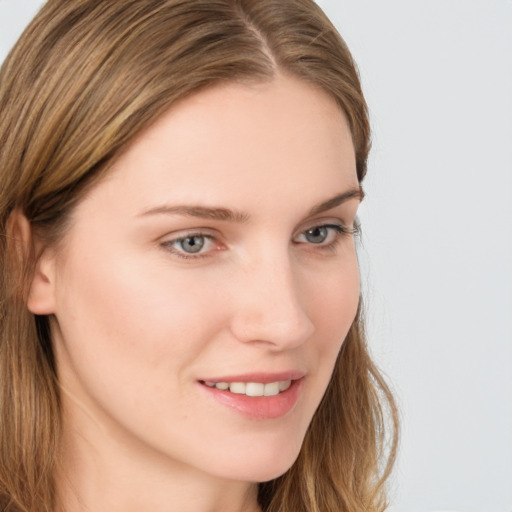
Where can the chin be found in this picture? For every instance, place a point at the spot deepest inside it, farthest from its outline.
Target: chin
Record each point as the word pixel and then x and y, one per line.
pixel 263 473
pixel 262 462
pixel 274 472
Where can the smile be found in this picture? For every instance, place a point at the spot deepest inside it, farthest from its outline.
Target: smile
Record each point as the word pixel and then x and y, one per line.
pixel 252 388
pixel 273 398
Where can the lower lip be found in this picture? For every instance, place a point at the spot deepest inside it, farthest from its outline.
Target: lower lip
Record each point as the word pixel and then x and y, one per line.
pixel 259 407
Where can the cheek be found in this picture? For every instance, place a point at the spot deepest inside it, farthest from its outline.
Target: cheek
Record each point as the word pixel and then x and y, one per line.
pixel 131 336
pixel 120 317
pixel 333 308
pixel 335 305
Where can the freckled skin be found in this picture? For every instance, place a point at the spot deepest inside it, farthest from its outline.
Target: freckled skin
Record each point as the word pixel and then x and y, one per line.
pixel 136 326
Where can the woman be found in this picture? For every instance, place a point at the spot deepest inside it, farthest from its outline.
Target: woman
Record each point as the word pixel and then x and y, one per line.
pixel 181 322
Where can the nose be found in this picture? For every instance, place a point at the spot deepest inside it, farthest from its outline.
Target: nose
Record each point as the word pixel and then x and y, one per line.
pixel 268 307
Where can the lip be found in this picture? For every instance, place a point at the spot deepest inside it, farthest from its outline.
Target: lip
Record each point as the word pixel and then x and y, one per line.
pixel 262 377
pixel 260 407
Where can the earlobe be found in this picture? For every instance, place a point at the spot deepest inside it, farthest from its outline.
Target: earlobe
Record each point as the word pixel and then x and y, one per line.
pixel 41 290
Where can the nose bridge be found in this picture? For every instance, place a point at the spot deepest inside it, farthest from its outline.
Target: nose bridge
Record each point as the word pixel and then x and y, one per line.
pixel 270 308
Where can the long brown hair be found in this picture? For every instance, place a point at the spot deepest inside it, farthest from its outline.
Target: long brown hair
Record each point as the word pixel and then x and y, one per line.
pixel 85 78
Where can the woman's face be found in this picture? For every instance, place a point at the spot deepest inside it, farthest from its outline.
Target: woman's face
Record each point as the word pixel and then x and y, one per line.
pixel 214 262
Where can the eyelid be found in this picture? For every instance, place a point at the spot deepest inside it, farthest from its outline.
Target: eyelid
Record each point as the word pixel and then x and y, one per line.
pixel 350 228
pixel 339 231
pixel 180 234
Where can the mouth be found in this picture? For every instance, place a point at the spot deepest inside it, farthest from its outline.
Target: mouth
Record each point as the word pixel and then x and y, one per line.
pixel 257 397
pixel 251 388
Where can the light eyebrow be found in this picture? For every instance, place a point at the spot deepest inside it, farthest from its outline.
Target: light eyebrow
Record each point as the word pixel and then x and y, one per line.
pixel 227 215
pixel 203 212
pixel 353 193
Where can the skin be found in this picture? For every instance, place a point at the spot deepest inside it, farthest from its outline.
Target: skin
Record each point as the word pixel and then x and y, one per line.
pixel 136 327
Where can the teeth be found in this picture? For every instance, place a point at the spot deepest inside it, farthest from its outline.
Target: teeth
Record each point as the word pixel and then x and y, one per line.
pixel 284 385
pixel 271 389
pixel 237 387
pixel 252 388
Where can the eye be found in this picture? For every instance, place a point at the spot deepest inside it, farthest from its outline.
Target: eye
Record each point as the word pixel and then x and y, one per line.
pixel 325 236
pixel 317 235
pixel 191 244
pixel 194 245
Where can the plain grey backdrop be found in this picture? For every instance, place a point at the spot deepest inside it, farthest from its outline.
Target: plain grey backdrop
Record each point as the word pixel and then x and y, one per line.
pixel 437 242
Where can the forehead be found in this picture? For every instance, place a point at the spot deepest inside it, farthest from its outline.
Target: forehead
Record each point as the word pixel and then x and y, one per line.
pixel 235 143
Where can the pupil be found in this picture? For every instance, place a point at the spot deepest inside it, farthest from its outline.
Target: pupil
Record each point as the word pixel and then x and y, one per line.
pixel 192 244
pixel 316 235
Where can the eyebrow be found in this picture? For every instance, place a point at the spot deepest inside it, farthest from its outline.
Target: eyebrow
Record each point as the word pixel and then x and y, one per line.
pixel 353 193
pixel 237 216
pixel 204 212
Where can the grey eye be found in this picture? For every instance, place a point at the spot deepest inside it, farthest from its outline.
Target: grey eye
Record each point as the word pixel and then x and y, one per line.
pixel 317 235
pixel 192 244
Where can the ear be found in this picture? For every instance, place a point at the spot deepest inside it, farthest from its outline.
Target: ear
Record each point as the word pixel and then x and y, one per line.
pixel 41 294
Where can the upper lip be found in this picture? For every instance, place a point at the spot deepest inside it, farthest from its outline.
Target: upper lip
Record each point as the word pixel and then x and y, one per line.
pixel 263 377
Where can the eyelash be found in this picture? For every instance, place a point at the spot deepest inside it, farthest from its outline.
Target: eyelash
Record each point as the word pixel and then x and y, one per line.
pixel 340 230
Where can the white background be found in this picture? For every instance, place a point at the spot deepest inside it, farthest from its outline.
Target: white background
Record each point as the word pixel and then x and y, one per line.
pixel 437 257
